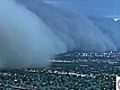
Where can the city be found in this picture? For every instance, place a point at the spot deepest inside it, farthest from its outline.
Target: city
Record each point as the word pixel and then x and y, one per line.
pixel 59 44
pixel 65 73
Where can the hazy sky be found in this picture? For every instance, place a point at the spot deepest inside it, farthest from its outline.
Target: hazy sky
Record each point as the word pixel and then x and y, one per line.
pixel 92 7
pixel 31 36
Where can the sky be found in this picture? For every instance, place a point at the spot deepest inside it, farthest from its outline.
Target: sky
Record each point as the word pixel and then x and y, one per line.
pixel 91 7
pixel 32 32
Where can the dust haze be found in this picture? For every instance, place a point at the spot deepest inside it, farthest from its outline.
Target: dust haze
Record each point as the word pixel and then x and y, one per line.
pixel 32 32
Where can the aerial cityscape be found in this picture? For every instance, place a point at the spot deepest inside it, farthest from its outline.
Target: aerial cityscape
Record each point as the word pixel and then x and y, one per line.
pixel 59 45
pixel 68 71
